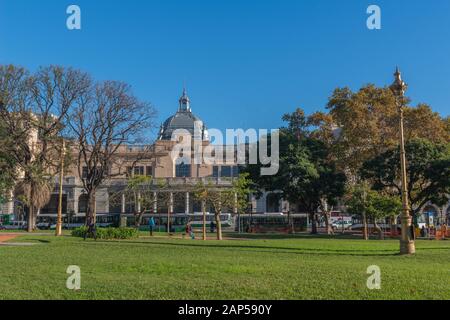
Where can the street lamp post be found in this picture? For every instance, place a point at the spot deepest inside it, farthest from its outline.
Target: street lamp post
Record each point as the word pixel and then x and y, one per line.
pixel 407 245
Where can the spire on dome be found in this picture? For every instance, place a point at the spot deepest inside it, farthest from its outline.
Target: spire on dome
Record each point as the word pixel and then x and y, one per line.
pixel 185 102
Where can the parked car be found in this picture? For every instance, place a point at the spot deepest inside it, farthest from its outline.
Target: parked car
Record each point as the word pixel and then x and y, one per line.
pixel 16 225
pixel 43 226
pixel 371 226
pixel 341 224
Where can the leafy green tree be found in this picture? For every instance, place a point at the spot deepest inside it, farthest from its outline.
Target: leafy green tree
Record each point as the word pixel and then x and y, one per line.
pixel 139 193
pixel 360 125
pixel 428 173
pixel 372 205
pixel 235 197
pixel 8 170
pixel 308 175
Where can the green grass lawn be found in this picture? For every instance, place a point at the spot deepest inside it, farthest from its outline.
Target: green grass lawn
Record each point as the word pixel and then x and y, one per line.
pixel 292 267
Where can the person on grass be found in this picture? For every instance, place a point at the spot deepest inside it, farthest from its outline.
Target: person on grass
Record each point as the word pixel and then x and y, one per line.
pixel 151 225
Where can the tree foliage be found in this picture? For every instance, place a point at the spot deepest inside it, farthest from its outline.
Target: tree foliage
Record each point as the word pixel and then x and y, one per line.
pixel 361 125
pixel 33 109
pixel 428 172
pixel 308 174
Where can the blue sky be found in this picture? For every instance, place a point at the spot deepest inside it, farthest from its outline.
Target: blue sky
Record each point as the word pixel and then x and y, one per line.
pixel 244 62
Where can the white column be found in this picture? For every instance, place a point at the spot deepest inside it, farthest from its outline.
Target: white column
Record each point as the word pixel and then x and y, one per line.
pixel 155 202
pixel 139 202
pixel 171 203
pixel 254 204
pixel 123 203
pixel 187 203
pixel 10 204
pixel 235 208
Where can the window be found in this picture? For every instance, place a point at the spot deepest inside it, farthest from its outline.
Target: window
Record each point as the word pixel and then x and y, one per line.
pixel 84 174
pixel 82 203
pixel 129 171
pixel 183 170
pixel 236 171
pixel 215 172
pixel 149 171
pixel 226 172
pixel 138 171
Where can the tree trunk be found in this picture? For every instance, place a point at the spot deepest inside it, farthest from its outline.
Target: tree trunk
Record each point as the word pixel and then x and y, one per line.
pixel 365 231
pixel 30 218
pixel 204 222
pixel 378 229
pixel 313 223
pixel 393 226
pixel 138 219
pixel 91 212
pixel 219 227
pixel 327 216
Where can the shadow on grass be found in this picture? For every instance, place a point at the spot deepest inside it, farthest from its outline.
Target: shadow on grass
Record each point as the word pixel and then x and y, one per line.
pixel 265 249
pixel 278 236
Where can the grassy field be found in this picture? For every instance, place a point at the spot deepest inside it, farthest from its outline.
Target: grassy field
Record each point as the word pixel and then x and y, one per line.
pixel 281 267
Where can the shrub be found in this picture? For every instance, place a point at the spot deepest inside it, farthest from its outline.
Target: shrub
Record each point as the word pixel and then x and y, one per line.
pixel 108 233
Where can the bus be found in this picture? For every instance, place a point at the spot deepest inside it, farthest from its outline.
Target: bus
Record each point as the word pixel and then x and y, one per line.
pixel 178 221
pixel 104 220
pixel 272 222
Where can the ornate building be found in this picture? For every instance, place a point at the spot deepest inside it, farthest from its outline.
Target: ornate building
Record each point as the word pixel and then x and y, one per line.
pixel 180 177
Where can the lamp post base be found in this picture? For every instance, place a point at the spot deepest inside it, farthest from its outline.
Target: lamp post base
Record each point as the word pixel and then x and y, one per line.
pixel 407 247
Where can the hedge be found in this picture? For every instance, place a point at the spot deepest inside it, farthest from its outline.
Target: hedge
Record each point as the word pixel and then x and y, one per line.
pixel 108 233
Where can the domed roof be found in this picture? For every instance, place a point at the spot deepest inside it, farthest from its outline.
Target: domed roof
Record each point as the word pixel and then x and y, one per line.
pixel 183 119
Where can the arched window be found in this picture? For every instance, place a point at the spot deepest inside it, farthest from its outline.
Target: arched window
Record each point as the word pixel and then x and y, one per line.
pixel 82 203
pixel 52 206
pixel 183 170
pixel 273 204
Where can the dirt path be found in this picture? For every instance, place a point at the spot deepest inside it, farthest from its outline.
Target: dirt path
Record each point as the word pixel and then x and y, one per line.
pixel 6 237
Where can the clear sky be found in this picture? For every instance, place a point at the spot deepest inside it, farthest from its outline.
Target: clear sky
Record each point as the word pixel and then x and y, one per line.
pixel 244 62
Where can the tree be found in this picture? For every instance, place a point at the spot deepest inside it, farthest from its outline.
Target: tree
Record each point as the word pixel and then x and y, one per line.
pixel 307 175
pixel 108 117
pixel 33 109
pixel 8 170
pixel 428 173
pixel 138 192
pixel 242 189
pixel 218 198
pixel 372 205
pixel 361 125
pixel 201 193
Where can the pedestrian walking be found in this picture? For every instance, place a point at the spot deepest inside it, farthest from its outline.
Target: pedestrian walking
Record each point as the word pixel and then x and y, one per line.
pixel 151 225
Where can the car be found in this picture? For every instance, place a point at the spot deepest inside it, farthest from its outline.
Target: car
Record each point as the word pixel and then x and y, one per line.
pixel 341 224
pixel 371 226
pixel 15 225
pixel 43 226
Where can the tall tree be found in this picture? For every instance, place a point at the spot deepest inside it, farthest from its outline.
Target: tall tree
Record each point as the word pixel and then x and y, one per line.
pixel 33 109
pixel 8 172
pixel 428 173
pixel 363 124
pixel 108 117
pixel 308 174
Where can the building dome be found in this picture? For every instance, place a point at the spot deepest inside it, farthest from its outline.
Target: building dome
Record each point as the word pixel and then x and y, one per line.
pixel 183 119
